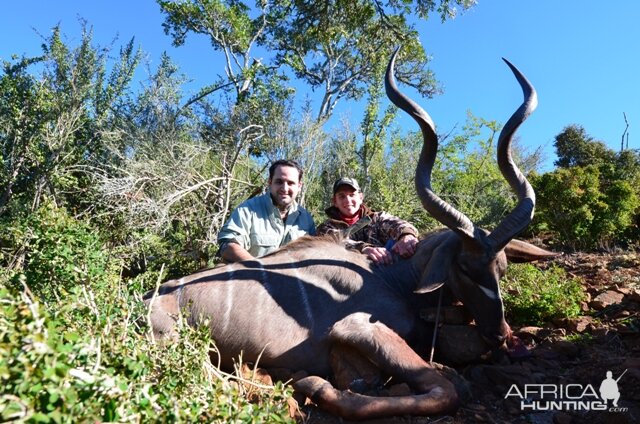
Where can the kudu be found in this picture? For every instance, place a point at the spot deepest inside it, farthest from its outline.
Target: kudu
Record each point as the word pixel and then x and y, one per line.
pixel 305 305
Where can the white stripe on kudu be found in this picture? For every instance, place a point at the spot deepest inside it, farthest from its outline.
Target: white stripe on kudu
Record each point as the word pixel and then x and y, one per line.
pixel 228 298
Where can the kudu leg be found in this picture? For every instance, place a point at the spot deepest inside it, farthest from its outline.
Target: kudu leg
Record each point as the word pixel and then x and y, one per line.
pixel 351 370
pixel 382 346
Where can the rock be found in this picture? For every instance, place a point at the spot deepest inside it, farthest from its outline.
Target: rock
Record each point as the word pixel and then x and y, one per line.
pixel 618 418
pixel 632 363
pixel 584 307
pixel 530 332
pixel 622 314
pixel 623 328
pixel 552 333
pixel 540 417
pixel 479 418
pixel 516 349
pixel 630 293
pixel 512 410
pixel 579 324
pixel 460 344
pixel 545 353
pixel 604 299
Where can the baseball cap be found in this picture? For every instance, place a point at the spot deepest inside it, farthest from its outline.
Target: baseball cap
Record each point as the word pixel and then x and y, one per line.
pixel 345 181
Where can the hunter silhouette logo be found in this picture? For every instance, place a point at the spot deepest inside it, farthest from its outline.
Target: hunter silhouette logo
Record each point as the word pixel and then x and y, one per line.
pixel 609 388
pixel 569 397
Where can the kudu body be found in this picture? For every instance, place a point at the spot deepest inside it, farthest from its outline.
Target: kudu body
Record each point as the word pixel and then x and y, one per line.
pixel 302 306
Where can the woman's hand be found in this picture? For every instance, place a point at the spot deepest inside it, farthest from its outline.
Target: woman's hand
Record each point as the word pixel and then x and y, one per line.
pixel 406 246
pixel 379 255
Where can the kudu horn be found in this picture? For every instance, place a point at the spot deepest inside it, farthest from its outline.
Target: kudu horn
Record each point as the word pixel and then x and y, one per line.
pixel 521 216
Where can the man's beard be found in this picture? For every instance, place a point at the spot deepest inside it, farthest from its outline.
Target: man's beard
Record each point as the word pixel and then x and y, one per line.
pixel 280 204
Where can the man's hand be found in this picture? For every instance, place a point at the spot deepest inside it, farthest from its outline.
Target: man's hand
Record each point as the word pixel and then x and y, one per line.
pixel 379 255
pixel 406 246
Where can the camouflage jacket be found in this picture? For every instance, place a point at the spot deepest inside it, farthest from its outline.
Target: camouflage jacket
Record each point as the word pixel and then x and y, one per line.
pixel 373 228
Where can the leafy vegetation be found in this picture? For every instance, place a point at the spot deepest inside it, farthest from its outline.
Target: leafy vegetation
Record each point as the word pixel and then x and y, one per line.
pixel 534 296
pixel 86 358
pixel 54 252
pixel 593 199
pixel 581 211
pixel 339 47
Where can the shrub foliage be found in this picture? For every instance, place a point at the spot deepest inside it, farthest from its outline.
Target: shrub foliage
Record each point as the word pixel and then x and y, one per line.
pixel 54 252
pixel 593 199
pixel 581 210
pixel 534 296
pixel 86 359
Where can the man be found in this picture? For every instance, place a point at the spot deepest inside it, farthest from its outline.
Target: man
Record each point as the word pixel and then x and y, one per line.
pixel 371 233
pixel 264 223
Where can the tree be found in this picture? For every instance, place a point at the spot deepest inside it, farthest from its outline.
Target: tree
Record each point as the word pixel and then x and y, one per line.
pixel 373 129
pixel 178 170
pixel 51 125
pixel 342 47
pixel 337 46
pixel 580 210
pixel 592 199
pixel 465 174
pixel 575 147
pixel 23 115
pixel 174 173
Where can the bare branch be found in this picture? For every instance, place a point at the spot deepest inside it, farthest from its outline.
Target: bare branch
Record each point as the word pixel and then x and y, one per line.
pixel 626 128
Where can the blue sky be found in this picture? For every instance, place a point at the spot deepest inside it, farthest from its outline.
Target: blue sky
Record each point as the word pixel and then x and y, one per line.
pixel 582 57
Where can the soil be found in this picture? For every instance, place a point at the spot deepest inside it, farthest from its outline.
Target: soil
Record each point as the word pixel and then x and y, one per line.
pixel 577 351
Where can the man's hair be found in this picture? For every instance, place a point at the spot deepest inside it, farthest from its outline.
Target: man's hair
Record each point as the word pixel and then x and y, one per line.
pixel 285 162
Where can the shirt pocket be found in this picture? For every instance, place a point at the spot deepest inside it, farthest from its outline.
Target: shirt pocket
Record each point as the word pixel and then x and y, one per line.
pixel 265 240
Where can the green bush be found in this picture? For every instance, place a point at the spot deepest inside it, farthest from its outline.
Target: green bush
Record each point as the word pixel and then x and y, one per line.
pixel 53 251
pixel 86 360
pixel 533 296
pixel 582 209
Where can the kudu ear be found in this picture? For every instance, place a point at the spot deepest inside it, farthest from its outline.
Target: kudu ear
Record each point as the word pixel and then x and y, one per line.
pixel 519 251
pixel 436 273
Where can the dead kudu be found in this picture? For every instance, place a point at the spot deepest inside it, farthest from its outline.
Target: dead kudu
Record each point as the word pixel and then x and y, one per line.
pixel 309 304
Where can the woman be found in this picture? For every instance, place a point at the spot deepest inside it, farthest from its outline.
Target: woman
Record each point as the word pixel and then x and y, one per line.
pixel 371 233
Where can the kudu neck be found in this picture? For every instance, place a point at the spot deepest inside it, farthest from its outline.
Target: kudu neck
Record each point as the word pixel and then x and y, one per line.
pixel 401 276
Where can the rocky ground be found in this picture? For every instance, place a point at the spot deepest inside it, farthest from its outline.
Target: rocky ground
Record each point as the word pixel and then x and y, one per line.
pixel 576 351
